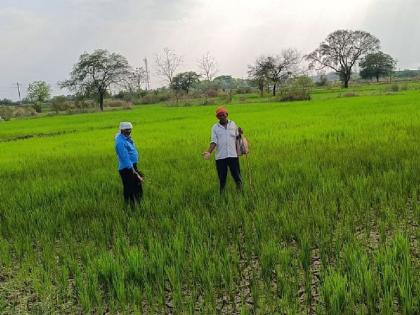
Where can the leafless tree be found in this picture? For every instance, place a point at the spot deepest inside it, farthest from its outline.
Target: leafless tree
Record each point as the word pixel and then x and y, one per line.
pixel 258 73
pixel 275 69
pixel 167 64
pixel 341 50
pixel 135 80
pixel 208 66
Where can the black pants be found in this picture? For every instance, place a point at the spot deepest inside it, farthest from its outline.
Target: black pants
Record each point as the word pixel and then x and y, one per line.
pixel 222 169
pixel 133 191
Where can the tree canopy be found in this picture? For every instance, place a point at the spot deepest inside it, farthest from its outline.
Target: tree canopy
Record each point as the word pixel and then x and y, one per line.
pixel 184 81
pixel 274 69
pixel 376 65
pixel 94 73
pixel 341 50
pixel 38 91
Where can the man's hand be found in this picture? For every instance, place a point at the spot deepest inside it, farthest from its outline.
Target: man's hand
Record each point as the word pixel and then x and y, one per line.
pixel 139 175
pixel 206 155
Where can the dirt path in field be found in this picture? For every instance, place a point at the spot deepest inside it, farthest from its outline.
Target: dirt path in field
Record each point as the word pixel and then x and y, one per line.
pixel 249 270
pixel 412 227
pixel 309 301
pixel 15 297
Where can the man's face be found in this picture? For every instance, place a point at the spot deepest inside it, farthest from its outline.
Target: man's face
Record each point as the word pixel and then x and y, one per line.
pixel 126 132
pixel 222 118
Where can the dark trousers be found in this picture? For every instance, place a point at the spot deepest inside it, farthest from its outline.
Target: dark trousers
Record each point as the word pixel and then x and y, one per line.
pixel 133 190
pixel 222 166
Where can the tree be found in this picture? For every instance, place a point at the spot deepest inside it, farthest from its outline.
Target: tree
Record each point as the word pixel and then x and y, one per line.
pixel 225 82
pixel 167 64
pixel 184 81
pixel 208 66
pixel 275 69
pixel 341 50
pixel 376 65
pixel 134 81
pixel 258 73
pixel 95 73
pixel 38 91
pixel 280 68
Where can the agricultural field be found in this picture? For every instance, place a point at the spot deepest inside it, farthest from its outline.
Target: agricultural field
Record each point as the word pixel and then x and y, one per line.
pixel 328 222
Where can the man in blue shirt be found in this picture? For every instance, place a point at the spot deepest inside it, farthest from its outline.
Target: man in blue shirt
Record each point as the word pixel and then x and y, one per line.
pixel 128 157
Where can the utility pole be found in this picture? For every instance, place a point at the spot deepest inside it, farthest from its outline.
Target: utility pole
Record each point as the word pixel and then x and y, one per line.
pixel 18 90
pixel 147 74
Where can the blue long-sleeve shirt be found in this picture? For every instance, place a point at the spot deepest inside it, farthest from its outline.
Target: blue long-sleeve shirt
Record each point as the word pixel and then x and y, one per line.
pixel 126 152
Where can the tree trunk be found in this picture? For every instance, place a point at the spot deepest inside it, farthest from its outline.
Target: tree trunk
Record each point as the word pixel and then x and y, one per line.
pixel 377 78
pixel 274 89
pixel 101 101
pixel 346 81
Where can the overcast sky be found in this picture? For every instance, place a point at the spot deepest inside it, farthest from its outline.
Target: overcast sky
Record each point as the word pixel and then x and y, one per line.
pixel 42 39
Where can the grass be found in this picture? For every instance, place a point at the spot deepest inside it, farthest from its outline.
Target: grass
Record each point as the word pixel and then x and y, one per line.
pixel 328 222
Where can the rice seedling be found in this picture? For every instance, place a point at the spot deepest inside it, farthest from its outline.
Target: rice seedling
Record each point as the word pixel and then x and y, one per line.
pixel 327 223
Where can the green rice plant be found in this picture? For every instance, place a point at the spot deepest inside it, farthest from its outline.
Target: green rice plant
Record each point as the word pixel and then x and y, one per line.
pixel 268 260
pixel 334 289
pixel 335 177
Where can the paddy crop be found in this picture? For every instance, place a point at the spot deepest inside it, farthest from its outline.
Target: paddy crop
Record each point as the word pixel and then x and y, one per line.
pixel 327 223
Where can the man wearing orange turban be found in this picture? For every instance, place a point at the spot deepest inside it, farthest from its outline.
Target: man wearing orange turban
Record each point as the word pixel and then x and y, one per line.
pixel 223 139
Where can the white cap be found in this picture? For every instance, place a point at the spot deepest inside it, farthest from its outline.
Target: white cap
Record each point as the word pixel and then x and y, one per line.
pixel 125 125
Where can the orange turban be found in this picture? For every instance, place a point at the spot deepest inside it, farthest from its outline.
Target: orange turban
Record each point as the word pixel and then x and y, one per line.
pixel 221 110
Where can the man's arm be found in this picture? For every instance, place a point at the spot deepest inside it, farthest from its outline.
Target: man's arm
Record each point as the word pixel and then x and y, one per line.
pixel 211 148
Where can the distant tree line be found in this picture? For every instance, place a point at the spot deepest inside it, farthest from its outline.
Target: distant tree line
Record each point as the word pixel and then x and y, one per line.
pixel 100 74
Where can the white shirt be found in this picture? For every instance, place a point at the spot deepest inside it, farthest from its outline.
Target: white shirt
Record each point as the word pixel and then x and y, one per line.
pixel 225 140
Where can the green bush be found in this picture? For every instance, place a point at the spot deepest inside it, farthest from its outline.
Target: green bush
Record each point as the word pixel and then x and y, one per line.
pixel 297 89
pixel 348 94
pixel 24 111
pixel 6 113
pixel 37 107
pixel 154 98
pixel 117 103
pixel 393 88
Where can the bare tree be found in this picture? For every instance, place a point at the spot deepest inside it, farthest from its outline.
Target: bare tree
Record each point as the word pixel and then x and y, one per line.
pixel 341 50
pixel 275 69
pixel 258 73
pixel 208 66
pixel 134 81
pixel 167 64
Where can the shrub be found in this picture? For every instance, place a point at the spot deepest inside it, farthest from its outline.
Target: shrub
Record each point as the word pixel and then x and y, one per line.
pixel 404 87
pixel 6 113
pixel 348 94
pixel 212 93
pixel 244 90
pixel 393 88
pixel 323 80
pixel 24 111
pixel 208 101
pixel 116 103
pixel 297 89
pixel 154 98
pixel 82 105
pixel 290 95
pixel 37 107
pixel 242 99
pixel 59 103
